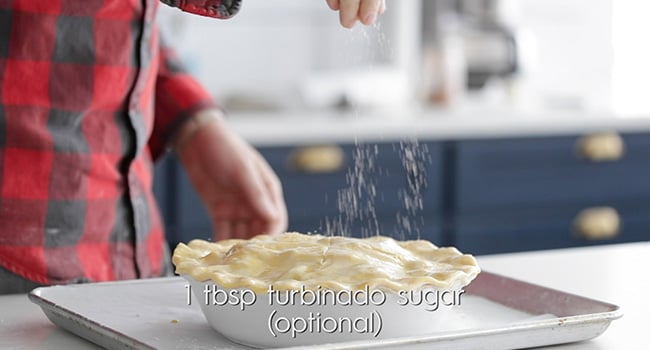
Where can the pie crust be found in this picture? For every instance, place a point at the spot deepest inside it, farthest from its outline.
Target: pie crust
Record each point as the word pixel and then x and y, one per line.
pixel 294 260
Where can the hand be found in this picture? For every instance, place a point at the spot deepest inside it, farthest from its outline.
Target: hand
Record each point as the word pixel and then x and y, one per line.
pixel 366 11
pixel 241 192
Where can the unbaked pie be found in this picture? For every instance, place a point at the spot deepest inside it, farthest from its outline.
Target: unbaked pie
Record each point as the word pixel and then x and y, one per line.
pixel 295 260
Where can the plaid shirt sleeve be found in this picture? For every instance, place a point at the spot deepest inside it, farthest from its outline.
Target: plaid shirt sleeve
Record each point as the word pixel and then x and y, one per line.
pixel 178 97
pixel 222 9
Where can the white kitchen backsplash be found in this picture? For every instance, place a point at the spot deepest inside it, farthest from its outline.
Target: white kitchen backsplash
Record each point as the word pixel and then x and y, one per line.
pixel 574 56
pixel 276 50
pixel 270 47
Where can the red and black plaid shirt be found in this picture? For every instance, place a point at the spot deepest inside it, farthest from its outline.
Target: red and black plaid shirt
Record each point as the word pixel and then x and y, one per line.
pixel 88 97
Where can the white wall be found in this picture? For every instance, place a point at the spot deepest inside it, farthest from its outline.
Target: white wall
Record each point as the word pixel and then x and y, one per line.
pixel 590 54
pixel 631 70
pixel 270 45
pixel 573 55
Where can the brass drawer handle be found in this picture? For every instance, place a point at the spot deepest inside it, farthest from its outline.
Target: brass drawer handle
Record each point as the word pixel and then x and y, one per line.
pixel 317 159
pixel 601 147
pixel 597 223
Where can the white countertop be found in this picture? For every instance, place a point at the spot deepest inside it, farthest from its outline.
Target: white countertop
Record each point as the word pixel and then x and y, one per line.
pixel 294 128
pixel 616 274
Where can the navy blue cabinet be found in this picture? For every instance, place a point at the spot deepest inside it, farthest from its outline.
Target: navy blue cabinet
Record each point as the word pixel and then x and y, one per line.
pixel 320 192
pixel 551 192
pixel 542 172
pixel 534 229
pixel 482 195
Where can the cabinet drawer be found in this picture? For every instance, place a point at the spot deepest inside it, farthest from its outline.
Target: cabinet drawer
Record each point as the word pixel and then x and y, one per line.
pixel 545 172
pixel 525 229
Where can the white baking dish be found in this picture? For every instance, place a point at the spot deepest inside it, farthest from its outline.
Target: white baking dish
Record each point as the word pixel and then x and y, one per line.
pixel 320 317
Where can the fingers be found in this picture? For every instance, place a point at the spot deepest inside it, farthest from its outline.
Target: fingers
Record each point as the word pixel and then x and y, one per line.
pixel 242 230
pixel 260 208
pixel 270 179
pixel 368 11
pixel 333 4
pixel 255 192
pixel 350 11
pixel 382 7
pixel 274 187
pixel 222 230
pixel 237 228
pixel 257 227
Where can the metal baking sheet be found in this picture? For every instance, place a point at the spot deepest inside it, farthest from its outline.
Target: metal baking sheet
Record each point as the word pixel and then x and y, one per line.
pixel 497 313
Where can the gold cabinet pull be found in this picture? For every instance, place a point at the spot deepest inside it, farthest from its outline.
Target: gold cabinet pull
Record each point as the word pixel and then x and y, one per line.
pixel 597 223
pixel 601 147
pixel 317 159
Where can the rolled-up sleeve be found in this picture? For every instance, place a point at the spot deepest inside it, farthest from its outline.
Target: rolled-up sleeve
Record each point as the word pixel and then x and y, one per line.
pixel 222 9
pixel 178 97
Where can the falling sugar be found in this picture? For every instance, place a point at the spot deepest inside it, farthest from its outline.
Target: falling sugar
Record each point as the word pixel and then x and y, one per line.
pixel 356 203
pixel 414 158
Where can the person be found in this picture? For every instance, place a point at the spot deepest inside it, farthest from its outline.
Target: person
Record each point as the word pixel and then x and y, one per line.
pixel 351 11
pixel 90 97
